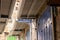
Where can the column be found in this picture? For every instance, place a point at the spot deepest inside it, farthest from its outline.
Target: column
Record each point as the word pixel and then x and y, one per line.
pixel 34 31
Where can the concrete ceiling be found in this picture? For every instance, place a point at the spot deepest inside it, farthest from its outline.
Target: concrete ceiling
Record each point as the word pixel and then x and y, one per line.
pixel 4 13
pixel 31 8
pixel 5 6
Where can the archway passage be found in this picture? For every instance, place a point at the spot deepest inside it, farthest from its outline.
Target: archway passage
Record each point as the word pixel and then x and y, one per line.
pixel 21 29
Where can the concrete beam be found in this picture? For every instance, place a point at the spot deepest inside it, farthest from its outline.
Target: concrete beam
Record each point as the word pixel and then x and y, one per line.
pixel 34 32
pixel 16 12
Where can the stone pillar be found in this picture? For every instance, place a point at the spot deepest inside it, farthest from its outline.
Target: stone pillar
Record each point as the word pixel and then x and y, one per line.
pixel 34 32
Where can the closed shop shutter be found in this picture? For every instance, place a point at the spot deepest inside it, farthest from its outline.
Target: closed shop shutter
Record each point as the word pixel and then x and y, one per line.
pixel 45 26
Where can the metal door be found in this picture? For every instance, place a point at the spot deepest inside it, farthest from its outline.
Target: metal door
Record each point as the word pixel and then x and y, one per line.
pixel 45 26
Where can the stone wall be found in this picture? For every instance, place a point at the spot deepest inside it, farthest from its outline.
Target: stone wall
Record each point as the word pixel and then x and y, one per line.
pixel 58 25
